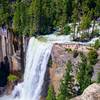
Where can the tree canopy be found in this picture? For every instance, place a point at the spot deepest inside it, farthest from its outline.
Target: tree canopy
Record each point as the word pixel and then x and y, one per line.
pixel 41 16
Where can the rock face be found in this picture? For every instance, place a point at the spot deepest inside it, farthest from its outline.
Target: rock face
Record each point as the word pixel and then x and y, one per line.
pixel 90 93
pixel 16 64
pixel 60 55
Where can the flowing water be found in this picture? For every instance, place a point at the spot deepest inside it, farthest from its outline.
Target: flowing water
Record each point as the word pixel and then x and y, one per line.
pixel 36 61
pixel 37 56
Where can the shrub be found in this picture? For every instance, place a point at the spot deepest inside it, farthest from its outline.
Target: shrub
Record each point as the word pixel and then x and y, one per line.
pixel 98 78
pixel 84 37
pixel 97 44
pixel 96 33
pixel 86 21
pixel 67 30
pixel 12 77
pixel 92 57
pixel 51 94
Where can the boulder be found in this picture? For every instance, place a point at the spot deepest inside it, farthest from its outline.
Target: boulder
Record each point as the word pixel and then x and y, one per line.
pixel 90 93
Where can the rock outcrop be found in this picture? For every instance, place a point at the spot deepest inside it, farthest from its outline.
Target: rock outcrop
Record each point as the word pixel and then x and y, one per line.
pixel 60 55
pixel 16 62
pixel 90 93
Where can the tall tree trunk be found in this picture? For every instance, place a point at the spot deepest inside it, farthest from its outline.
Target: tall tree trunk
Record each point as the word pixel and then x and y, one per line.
pixel 74 30
pixel 22 55
pixel 93 26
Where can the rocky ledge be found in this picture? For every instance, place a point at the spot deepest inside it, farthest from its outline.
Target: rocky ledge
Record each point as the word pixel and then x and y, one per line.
pixel 90 93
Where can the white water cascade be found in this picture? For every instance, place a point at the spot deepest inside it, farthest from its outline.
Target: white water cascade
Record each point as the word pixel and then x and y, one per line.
pixel 37 57
pixel 36 61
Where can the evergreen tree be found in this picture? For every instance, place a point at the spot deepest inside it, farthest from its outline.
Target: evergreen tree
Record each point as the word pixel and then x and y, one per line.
pixel 97 9
pixel 31 14
pixel 69 5
pixel 48 14
pixel 85 72
pixel 66 91
pixel 85 24
pixel 92 57
pixel 20 24
pixel 97 44
pixel 4 11
pixel 43 15
pixel 60 13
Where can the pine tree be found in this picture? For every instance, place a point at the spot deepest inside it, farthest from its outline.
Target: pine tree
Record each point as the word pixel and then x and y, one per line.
pixel 20 25
pixel 86 21
pixel 66 91
pixel 97 44
pixel 47 15
pixel 85 72
pixel 4 11
pixel 31 14
pixel 92 57
pixel 61 12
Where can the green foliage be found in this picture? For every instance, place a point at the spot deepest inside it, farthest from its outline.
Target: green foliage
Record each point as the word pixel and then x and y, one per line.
pixel 75 18
pixel 97 44
pixel 66 91
pixel 5 12
pixel 20 19
pixel 97 10
pixel 39 17
pixel 51 94
pixel 41 14
pixel 12 77
pixel 98 78
pixel 86 20
pixel 96 32
pixel 92 57
pixel 67 30
pixel 84 36
pixel 85 71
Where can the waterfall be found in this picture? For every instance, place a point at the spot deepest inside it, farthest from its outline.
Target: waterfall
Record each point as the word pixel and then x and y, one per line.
pixel 36 63
pixel 37 56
